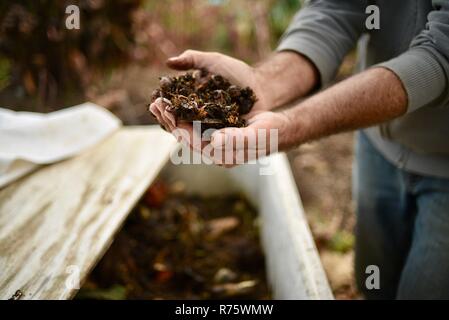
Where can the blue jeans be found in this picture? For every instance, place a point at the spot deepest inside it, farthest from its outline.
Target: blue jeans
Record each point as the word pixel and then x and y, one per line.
pixel 402 227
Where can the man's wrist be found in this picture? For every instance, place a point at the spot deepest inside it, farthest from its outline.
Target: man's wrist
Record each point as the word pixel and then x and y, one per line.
pixel 285 77
pixel 293 132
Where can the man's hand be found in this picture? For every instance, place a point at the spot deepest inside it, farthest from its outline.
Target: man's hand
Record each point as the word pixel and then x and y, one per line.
pixel 263 136
pixel 283 77
pixel 231 146
pixel 234 70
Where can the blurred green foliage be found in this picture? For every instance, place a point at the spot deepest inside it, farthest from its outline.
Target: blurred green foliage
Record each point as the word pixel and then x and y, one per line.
pixel 247 29
pixel 116 292
pixel 280 15
pixel 342 241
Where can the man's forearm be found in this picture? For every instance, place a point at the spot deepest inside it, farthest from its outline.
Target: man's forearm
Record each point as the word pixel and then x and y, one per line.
pixel 366 99
pixel 284 77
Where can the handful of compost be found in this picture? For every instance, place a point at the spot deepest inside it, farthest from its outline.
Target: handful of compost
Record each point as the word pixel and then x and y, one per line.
pixel 205 97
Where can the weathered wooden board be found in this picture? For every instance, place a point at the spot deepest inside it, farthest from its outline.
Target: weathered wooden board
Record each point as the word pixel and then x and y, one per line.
pixel 57 222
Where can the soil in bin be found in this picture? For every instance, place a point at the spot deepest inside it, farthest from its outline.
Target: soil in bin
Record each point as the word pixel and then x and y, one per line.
pixel 178 246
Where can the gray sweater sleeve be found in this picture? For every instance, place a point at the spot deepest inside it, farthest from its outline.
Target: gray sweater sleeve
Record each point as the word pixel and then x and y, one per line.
pixel 324 31
pixel 424 68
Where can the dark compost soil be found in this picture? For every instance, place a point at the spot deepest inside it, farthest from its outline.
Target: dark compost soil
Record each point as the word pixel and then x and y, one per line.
pixel 177 246
pixel 208 98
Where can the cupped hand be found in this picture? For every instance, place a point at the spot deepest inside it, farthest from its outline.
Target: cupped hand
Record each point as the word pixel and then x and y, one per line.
pixel 236 71
pixel 266 133
pixel 224 143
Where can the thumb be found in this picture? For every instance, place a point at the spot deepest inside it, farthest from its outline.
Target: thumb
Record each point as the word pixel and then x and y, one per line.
pixel 189 59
